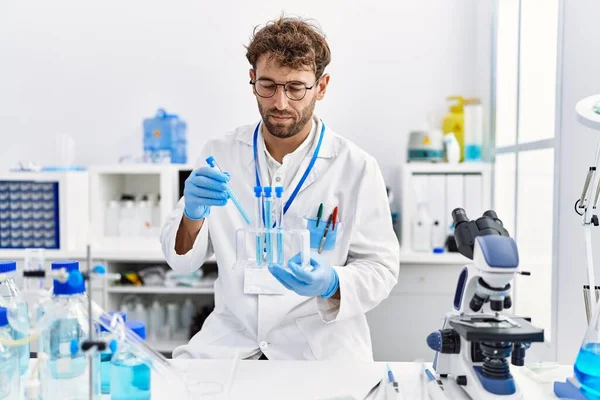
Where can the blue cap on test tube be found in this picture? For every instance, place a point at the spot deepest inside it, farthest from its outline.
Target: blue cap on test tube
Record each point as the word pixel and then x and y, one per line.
pixel 268 190
pixel 211 161
pixel 257 191
pixel 278 191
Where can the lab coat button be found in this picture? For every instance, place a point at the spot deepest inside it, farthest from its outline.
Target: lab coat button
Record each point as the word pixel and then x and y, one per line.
pixel 278 179
pixel 263 345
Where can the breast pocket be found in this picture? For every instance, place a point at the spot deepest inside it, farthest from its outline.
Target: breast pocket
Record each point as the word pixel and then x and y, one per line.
pixel 324 233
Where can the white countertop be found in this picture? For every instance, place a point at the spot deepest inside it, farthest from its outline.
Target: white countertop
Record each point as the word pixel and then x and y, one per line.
pixel 292 380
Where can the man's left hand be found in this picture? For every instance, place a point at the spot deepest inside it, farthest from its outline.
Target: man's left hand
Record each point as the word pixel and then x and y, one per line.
pixel 320 280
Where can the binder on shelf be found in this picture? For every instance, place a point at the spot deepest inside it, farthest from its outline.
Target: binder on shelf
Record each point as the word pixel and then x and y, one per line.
pixel 473 195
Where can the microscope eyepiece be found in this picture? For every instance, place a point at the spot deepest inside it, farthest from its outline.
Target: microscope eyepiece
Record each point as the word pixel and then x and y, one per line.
pixel 459 216
pixel 491 214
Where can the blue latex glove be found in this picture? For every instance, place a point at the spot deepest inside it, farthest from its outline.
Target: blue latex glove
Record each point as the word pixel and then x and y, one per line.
pixel 322 280
pixel 205 187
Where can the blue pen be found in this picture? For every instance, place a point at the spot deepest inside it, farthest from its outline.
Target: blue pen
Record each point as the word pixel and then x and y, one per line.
pixel 434 387
pixel 236 201
pixel 392 379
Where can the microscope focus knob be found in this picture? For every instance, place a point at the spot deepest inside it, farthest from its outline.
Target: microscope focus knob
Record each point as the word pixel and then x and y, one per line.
pixel 446 341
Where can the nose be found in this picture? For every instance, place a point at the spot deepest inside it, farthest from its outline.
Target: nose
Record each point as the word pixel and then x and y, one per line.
pixel 280 99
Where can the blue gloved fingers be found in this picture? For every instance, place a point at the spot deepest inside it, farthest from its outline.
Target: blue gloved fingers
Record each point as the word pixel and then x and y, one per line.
pixel 288 287
pixel 211 173
pixel 207 183
pixel 297 259
pixel 289 279
pixel 299 273
pixel 205 193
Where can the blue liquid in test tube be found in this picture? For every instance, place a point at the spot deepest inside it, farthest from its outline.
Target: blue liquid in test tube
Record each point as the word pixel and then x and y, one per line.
pixel 279 223
pixel 258 224
pixel 268 223
pixel 236 201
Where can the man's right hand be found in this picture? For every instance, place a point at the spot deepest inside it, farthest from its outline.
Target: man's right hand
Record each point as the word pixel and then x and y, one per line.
pixel 204 188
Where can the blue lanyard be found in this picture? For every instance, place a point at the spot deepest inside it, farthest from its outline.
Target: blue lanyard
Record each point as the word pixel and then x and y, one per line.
pixel 308 169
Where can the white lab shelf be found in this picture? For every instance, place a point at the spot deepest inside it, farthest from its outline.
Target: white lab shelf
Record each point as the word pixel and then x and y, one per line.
pixel 445 168
pixel 209 289
pixel 411 173
pixel 19 254
pixel 415 258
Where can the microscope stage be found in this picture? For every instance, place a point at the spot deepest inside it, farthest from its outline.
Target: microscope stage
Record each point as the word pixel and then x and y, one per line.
pixel 491 328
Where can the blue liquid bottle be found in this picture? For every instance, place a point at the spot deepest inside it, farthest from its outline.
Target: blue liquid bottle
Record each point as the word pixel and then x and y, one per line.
pixel 587 365
pixel 106 356
pixel 68 375
pixel 9 362
pixel 10 297
pixel 130 377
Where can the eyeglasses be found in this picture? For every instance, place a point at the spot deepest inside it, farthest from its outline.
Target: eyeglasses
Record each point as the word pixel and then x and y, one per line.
pixel 294 90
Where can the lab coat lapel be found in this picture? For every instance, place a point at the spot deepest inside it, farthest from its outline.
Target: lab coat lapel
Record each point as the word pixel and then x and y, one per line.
pixel 327 151
pixel 263 173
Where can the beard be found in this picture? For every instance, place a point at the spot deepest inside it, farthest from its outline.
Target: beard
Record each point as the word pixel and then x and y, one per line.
pixel 291 127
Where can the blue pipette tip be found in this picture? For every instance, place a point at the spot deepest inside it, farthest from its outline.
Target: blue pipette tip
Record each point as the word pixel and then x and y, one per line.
pixel 257 191
pixel 267 190
pixel 279 191
pixel 211 161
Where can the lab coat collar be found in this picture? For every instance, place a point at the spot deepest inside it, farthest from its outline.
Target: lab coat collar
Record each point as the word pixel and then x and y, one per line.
pixel 329 147
pixel 329 150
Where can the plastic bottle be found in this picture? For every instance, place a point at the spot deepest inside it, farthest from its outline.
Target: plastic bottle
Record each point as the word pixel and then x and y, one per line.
pixel 9 362
pixel 130 377
pixel 157 320
pixel 422 224
pixel 106 356
pixel 452 148
pixel 187 314
pixel 172 319
pixel 68 376
pixel 10 297
pixel 128 219
pixel 473 112
pixel 438 237
pixel 454 121
pixel 113 215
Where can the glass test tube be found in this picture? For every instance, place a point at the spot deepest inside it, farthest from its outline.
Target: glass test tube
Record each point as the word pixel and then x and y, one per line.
pixel 236 201
pixel 268 223
pixel 279 223
pixel 258 220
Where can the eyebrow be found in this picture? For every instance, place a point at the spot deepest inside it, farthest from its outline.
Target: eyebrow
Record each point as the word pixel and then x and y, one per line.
pixel 293 80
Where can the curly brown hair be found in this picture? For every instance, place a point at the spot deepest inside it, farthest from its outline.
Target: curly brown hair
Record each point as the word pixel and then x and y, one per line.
pixel 292 42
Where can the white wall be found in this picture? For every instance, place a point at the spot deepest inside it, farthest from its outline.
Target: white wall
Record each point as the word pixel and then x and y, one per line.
pixel 580 78
pixel 94 70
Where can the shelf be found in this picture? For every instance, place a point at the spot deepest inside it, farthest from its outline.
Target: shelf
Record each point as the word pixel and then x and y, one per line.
pixel 209 289
pixel 19 254
pixel 126 169
pixel 445 168
pixel 414 258
pixel 166 346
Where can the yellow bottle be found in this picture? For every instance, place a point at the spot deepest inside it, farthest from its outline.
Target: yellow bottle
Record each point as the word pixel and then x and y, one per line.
pixel 454 121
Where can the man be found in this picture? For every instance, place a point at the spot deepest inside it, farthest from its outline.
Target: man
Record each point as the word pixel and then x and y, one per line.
pixel 277 312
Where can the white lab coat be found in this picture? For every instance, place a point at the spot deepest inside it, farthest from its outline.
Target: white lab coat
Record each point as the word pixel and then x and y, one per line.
pixel 289 326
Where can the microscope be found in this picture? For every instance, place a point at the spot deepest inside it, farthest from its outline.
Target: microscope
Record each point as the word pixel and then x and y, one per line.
pixel 476 340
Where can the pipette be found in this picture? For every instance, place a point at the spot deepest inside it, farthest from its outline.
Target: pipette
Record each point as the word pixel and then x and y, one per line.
pixel 258 224
pixel 279 223
pixel 269 223
pixel 236 201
